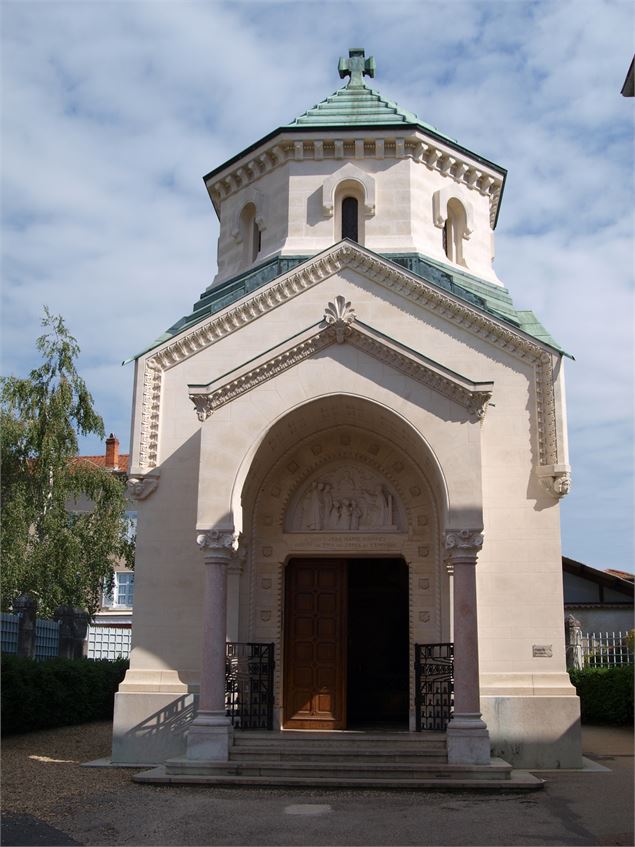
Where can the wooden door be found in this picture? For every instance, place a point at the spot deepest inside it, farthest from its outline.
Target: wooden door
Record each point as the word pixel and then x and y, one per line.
pixel 315 644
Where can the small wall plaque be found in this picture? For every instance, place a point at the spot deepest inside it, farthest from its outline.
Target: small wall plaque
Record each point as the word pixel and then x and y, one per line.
pixel 542 650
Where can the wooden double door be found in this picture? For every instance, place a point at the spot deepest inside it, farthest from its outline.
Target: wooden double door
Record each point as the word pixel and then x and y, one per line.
pixel 346 643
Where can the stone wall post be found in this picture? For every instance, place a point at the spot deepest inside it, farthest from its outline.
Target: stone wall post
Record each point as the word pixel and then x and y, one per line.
pixel 209 735
pixel 467 735
pixel 26 607
pixel 64 614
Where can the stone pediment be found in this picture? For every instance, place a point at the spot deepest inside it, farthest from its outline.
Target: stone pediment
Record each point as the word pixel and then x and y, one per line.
pixel 339 326
pixel 383 274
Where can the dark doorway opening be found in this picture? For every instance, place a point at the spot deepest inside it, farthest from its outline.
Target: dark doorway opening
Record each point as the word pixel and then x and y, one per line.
pixel 377 666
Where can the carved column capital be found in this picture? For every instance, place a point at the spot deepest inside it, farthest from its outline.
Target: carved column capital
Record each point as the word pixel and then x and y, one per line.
pixel 462 544
pixel 219 544
pixel 141 486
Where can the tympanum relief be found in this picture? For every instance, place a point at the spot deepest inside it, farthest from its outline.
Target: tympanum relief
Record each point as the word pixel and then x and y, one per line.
pixel 346 499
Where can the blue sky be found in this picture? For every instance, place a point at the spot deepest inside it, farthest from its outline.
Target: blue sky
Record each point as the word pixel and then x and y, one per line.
pixel 113 111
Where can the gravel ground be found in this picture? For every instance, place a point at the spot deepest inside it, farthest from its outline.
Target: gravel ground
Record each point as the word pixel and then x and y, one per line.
pixel 41 773
pixel 48 799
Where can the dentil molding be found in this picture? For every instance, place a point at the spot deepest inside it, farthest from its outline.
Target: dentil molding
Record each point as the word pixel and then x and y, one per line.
pixel 433 155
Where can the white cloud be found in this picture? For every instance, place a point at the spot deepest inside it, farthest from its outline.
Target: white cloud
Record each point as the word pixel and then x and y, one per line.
pixel 114 111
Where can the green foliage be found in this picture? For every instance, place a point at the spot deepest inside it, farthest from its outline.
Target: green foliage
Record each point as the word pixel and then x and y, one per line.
pixel 63 520
pixel 606 694
pixel 57 692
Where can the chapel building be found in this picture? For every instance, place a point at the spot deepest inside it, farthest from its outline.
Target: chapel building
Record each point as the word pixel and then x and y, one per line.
pixel 348 461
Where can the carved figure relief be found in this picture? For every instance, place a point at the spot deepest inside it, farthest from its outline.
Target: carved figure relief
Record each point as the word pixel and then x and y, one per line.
pixel 347 499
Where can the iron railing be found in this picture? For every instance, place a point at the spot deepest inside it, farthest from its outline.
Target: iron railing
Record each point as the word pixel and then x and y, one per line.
pixel 249 684
pixel 434 685
pixel 604 649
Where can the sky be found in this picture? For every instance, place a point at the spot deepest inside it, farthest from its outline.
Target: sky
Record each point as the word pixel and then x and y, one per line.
pixel 113 112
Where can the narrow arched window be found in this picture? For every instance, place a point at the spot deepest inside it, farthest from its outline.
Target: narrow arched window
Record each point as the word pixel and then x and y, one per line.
pixel 350 226
pixel 250 234
pixel 454 232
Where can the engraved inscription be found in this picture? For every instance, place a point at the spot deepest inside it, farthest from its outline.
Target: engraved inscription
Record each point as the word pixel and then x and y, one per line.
pixel 542 651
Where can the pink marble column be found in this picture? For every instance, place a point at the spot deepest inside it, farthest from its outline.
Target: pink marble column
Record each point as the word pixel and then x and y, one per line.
pixel 468 738
pixel 209 734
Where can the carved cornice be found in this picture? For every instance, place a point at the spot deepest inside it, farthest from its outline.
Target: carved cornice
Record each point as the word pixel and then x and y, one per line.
pixel 462 543
pixel 340 328
pixel 381 272
pixel 431 154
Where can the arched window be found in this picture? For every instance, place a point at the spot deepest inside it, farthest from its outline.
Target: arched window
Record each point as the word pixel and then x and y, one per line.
pixel 454 231
pixel 349 215
pixel 251 235
pixel 350 218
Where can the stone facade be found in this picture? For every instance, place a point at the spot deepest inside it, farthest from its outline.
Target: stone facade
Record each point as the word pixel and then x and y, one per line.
pixel 352 408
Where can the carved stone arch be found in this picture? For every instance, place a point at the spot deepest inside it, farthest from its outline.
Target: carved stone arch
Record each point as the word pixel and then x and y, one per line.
pixel 348 173
pixel 260 202
pixel 433 471
pixel 440 200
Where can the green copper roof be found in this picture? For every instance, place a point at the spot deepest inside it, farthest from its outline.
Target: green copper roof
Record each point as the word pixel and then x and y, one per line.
pixel 361 106
pixel 492 299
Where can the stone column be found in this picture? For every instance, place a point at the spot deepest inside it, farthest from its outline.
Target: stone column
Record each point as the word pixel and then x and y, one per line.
pixel 467 735
pixel 209 734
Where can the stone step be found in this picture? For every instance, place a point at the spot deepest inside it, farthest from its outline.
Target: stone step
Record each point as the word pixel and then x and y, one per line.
pixel 385 771
pixel 336 740
pixel 290 753
pixel 516 781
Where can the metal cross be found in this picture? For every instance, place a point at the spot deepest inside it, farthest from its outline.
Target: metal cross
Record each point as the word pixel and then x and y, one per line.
pixel 357 67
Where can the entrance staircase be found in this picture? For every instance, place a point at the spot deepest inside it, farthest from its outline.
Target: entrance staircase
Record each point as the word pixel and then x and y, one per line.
pixel 341 760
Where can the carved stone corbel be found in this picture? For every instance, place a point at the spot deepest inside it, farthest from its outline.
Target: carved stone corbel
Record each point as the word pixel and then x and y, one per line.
pixel 203 406
pixel 479 403
pixel 339 315
pixel 142 486
pixel 555 479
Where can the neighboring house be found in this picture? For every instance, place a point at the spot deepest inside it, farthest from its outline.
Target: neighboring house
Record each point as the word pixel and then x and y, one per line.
pixel 352 448
pixel 109 635
pixel 601 600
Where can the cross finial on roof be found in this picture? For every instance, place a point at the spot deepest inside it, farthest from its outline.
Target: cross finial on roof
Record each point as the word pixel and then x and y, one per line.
pixel 357 67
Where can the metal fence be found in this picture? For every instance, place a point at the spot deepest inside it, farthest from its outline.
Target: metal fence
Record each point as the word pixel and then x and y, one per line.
pixel 9 628
pixel 109 642
pixel 434 685
pixel 249 684
pixel 47 639
pixel 604 649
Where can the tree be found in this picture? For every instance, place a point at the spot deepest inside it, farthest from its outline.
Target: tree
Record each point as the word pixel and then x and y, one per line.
pixel 61 555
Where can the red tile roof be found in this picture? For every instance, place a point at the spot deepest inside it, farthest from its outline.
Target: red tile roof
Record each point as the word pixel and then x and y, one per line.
pixel 100 461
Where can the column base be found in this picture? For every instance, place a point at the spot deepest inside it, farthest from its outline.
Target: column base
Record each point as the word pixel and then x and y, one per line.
pixel 468 740
pixel 209 738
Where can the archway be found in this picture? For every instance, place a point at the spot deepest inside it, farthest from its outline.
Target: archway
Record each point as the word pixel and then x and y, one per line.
pixel 347 486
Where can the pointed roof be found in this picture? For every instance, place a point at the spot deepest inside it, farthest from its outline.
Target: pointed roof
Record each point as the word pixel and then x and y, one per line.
pixel 354 106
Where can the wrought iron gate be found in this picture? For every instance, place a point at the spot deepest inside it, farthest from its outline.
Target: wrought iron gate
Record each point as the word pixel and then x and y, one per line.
pixel 434 685
pixel 249 685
